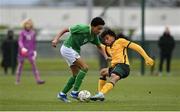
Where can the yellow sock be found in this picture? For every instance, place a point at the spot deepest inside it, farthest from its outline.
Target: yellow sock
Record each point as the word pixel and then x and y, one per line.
pixel 101 83
pixel 106 88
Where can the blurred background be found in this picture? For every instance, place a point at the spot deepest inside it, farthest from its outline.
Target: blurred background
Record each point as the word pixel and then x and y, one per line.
pixel 50 16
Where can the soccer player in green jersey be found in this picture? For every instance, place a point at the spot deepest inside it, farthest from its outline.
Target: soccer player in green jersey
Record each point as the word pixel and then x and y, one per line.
pixel 80 34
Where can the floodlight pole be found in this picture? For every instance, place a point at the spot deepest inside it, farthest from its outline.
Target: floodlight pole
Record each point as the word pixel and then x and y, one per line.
pixel 142 35
pixel 89 6
pixel 121 17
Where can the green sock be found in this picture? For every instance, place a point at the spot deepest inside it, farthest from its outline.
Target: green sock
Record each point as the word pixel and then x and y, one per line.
pixel 69 84
pixel 79 79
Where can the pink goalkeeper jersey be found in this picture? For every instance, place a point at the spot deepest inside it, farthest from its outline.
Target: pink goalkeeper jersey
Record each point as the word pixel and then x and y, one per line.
pixel 27 39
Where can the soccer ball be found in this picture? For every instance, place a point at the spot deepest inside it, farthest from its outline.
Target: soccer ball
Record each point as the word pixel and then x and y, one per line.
pixel 84 96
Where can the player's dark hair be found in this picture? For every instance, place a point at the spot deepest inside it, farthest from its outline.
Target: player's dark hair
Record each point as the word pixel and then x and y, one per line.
pixel 107 32
pixel 97 21
pixel 121 35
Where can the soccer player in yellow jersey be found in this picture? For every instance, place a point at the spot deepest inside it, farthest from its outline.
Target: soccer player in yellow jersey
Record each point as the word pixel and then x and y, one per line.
pixel 116 47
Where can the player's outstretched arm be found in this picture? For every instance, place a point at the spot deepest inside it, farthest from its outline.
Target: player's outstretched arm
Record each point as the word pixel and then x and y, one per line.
pixel 58 36
pixel 141 51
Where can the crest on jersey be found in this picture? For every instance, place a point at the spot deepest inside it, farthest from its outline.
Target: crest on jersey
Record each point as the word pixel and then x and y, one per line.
pixel 28 36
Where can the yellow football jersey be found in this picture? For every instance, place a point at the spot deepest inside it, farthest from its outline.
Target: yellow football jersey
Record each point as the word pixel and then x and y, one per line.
pixel 119 52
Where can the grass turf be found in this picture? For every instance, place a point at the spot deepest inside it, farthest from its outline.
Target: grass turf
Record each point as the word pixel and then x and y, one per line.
pixel 133 93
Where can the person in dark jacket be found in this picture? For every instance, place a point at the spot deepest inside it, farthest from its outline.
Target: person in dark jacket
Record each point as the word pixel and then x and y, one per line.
pixel 166 45
pixel 9 53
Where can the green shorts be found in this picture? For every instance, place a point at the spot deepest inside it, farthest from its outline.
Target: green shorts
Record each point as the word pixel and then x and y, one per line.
pixel 120 69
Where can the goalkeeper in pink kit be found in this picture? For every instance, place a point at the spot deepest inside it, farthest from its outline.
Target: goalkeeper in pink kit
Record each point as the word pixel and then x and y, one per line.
pixel 27 44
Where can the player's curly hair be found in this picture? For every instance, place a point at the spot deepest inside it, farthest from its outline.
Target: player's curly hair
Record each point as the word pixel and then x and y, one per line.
pixel 108 31
pixel 121 35
pixel 97 21
pixel 105 32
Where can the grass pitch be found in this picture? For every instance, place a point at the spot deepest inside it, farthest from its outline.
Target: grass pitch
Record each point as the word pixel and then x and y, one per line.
pixel 133 93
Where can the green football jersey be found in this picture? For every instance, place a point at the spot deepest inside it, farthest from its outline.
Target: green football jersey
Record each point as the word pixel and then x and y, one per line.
pixel 80 34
